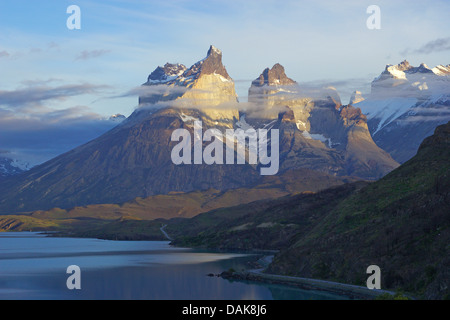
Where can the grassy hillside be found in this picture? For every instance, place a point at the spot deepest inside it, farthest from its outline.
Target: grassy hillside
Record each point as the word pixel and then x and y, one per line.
pixel 93 218
pixel 264 224
pixel 400 223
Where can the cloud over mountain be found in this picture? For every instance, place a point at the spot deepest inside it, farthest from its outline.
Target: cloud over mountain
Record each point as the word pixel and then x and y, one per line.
pixel 441 44
pixel 37 94
pixel 33 125
pixel 433 46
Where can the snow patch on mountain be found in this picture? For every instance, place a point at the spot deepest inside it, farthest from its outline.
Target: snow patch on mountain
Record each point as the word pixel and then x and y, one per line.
pixel 396 73
pixel 187 118
pixel 386 110
pixel 402 87
pixel 441 70
pixel 301 125
pixel 242 124
pixel 222 78
pixel 317 136
pixel 10 167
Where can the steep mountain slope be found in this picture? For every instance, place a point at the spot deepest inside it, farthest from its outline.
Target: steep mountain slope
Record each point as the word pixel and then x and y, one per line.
pixel 127 162
pixel 400 223
pixel 10 167
pixel 265 225
pixel 406 104
pixel 99 220
pixel 134 159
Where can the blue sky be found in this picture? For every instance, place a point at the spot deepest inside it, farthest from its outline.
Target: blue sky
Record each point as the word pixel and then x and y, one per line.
pixel 52 76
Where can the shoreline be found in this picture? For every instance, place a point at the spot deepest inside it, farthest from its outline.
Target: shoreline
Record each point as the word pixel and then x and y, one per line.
pixel 257 275
pixel 354 292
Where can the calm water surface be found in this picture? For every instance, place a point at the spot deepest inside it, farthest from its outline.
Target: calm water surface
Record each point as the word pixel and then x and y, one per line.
pixel 33 266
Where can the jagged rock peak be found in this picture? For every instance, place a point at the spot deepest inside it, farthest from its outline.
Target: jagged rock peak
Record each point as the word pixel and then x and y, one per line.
pixel 212 64
pixel 405 67
pixel 423 68
pixel 209 75
pixel 214 50
pixel 351 115
pixel 401 70
pixel 273 77
pixel 395 71
pixel 166 73
pixel 402 66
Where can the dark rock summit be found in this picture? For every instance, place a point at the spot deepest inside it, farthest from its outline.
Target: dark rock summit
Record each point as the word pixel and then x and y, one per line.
pixel 162 74
pixel 273 77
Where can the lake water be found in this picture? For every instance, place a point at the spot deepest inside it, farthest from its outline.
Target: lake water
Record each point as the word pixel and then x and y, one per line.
pixel 33 266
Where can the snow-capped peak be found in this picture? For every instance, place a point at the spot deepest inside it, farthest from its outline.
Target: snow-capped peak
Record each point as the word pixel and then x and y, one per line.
pixel 441 70
pixel 403 74
pixel 423 68
pixel 403 88
pixel 397 71
pixel 403 66
pixel 169 72
pixel 401 70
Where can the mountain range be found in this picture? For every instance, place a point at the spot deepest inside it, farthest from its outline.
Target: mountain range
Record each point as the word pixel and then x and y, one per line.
pixel 406 104
pixel 339 202
pixel 133 159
